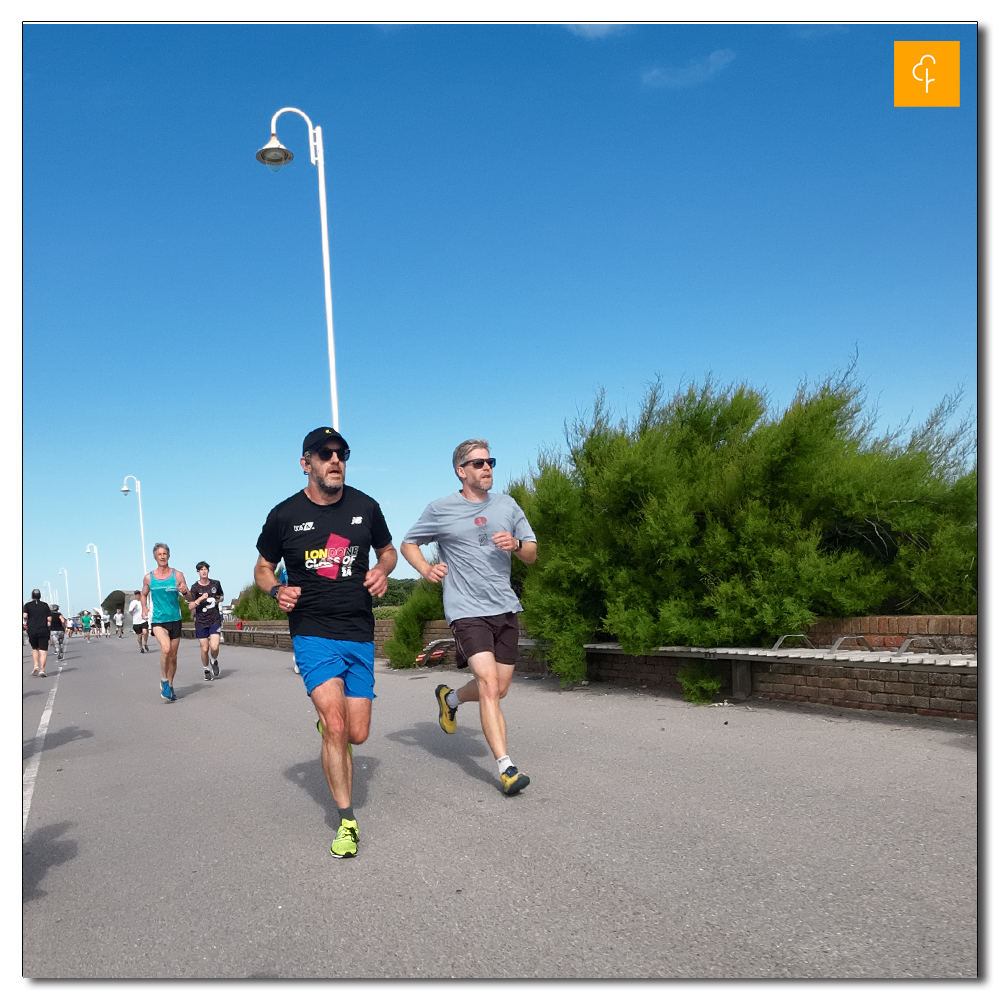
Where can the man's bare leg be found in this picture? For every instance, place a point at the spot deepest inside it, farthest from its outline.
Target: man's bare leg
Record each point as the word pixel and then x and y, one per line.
pixel 204 652
pixel 345 720
pixel 490 683
pixel 168 654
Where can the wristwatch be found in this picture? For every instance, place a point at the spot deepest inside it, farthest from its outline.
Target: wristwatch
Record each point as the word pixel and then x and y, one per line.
pixel 274 591
pixel 518 549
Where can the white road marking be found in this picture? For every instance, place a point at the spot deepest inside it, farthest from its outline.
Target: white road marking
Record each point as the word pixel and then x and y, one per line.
pixel 31 771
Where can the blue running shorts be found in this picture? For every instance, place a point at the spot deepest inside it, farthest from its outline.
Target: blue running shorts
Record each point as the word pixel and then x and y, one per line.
pixel 204 631
pixel 319 660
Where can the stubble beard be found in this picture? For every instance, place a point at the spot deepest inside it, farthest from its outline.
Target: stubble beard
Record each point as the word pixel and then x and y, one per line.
pixel 328 489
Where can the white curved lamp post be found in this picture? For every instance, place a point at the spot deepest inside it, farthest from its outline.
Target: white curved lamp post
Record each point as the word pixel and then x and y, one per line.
pixel 274 156
pixel 68 605
pixel 98 565
pixel 142 531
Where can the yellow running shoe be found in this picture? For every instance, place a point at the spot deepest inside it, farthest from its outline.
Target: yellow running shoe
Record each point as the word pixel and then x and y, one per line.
pixel 512 781
pixel 446 715
pixel 346 843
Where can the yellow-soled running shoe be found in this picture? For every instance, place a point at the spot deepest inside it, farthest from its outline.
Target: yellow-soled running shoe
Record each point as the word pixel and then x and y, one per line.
pixel 446 714
pixel 345 845
pixel 512 781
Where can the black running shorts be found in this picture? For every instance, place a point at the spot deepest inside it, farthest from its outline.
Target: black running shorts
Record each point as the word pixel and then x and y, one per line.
pixel 39 640
pixel 496 634
pixel 173 628
pixel 139 629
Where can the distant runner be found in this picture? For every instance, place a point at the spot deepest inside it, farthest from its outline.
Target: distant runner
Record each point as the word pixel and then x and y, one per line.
pixel 37 617
pixel 139 626
pixel 119 622
pixel 162 585
pixel 85 622
pixel 476 534
pixel 204 599
pixel 324 533
pixel 57 630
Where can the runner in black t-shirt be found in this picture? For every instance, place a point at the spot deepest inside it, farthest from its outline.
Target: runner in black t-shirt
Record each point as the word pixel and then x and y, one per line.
pixel 325 534
pixel 207 595
pixel 37 616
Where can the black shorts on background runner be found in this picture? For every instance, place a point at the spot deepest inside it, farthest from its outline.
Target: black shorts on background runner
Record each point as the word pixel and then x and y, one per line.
pixel 496 634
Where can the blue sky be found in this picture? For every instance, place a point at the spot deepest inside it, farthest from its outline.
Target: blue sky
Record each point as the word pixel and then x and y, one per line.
pixel 519 216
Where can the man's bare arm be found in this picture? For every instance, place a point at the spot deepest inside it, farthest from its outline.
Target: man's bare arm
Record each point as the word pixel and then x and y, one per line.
pixel 263 576
pixel 413 555
pixel 377 578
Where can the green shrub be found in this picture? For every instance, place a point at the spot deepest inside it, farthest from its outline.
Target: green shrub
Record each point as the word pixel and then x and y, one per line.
pixel 397 593
pixel 708 521
pixel 256 605
pixel 423 606
pixel 700 682
pixel 385 613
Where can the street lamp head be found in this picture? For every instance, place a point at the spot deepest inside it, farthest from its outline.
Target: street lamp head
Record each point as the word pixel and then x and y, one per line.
pixel 126 490
pixel 273 155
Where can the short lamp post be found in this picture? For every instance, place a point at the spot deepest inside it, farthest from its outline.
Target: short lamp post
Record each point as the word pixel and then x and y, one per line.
pixel 98 566
pixel 142 531
pixel 274 156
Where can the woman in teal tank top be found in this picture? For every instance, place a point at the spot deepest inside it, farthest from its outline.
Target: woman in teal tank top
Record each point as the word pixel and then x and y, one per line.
pixel 161 587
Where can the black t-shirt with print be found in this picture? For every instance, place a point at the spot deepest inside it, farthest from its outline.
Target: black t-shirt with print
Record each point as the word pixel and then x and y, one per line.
pixel 38 614
pixel 207 613
pixel 326 548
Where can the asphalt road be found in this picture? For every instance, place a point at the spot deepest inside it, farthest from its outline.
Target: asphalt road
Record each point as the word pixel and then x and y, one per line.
pixel 656 839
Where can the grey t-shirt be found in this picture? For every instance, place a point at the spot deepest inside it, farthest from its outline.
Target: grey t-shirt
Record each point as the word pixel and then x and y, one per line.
pixel 478 580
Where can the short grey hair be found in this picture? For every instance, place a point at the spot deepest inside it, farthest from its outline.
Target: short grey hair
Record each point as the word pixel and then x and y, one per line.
pixel 161 545
pixel 462 451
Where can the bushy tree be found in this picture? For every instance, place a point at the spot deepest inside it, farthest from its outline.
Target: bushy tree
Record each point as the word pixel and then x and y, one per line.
pixel 708 521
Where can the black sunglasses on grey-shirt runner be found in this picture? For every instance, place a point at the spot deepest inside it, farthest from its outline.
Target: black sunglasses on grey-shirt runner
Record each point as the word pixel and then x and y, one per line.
pixel 478 463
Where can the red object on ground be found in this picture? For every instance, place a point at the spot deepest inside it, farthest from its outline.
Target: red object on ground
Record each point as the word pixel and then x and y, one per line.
pixel 239 625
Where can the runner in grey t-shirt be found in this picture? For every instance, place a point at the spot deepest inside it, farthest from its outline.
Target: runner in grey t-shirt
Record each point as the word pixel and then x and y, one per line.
pixel 476 534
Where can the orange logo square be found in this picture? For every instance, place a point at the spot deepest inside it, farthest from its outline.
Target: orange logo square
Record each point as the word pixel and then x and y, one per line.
pixel 925 75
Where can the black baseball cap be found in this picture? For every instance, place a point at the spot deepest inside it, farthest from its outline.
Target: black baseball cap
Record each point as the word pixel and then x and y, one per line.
pixel 320 436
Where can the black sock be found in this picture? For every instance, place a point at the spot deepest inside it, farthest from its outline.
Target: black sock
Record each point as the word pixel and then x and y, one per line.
pixel 347 813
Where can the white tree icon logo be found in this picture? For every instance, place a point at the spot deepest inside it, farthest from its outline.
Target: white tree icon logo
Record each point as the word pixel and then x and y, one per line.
pixel 926 79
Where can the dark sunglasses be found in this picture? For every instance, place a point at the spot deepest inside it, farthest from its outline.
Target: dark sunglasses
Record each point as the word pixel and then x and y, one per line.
pixel 325 454
pixel 478 463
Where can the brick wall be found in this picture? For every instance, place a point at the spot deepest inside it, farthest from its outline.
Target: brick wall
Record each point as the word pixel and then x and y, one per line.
pixel 957 633
pixel 953 694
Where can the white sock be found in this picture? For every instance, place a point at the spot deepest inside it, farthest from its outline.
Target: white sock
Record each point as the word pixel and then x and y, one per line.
pixel 503 763
pixel 451 699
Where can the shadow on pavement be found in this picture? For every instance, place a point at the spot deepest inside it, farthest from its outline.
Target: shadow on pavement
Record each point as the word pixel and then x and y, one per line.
pixel 56 738
pixel 310 778
pixel 459 748
pixel 44 850
pixel 28 694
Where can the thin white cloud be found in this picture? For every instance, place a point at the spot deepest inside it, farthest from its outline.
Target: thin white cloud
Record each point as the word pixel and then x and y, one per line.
pixel 697 71
pixel 595 29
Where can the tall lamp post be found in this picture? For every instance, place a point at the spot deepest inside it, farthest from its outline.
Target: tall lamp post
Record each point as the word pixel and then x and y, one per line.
pixel 142 531
pixel 98 565
pixel 65 574
pixel 275 156
pixel 48 590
